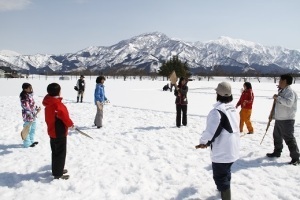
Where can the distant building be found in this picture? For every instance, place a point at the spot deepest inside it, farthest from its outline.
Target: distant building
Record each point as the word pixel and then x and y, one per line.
pixel 13 75
pixel 64 78
pixel 7 72
pixel 2 73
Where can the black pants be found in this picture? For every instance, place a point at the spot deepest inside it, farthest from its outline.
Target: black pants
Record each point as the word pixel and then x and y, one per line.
pixel 284 130
pixel 179 109
pixel 59 152
pixel 222 175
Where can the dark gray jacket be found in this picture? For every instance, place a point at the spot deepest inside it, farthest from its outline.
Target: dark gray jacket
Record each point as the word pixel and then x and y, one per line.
pixel 182 98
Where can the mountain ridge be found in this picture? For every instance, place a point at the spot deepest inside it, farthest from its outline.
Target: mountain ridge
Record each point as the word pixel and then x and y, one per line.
pixel 148 50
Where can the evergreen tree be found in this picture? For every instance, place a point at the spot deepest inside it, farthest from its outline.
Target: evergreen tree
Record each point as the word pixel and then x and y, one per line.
pixel 181 69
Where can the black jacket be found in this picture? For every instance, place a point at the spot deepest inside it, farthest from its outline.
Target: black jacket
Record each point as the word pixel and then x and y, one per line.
pixel 80 84
pixel 182 98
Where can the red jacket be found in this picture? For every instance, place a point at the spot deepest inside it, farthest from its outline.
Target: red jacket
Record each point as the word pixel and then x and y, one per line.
pixel 246 99
pixel 56 117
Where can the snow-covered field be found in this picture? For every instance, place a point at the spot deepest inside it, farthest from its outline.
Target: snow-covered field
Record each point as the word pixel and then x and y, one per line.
pixel 139 153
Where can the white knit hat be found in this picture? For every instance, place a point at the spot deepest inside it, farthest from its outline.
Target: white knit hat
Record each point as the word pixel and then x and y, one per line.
pixel 224 89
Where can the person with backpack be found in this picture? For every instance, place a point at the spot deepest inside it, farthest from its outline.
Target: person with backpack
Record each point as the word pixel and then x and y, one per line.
pixel 81 87
pixel 222 136
pixel 58 121
pixel 181 102
pixel 29 112
pixel 246 102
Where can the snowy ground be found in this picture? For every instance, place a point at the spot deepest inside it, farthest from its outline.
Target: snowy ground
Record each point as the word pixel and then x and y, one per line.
pixel 139 153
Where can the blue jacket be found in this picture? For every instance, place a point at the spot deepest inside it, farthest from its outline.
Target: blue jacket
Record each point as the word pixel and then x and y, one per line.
pixel 99 94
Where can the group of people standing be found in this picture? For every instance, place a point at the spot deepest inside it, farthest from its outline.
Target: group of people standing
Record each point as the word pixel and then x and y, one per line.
pixel 222 129
pixel 221 134
pixel 245 101
pixel 57 119
pixel 224 126
pixel 99 97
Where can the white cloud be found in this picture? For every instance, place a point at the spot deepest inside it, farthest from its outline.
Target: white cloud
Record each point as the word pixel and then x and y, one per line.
pixel 7 5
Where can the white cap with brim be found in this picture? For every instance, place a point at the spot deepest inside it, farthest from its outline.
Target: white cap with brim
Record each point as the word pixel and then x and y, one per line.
pixel 224 89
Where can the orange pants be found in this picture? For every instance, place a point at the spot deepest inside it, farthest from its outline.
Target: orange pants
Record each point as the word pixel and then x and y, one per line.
pixel 245 115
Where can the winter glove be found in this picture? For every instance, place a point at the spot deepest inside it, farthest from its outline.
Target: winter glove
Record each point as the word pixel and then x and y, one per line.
pixel 37 109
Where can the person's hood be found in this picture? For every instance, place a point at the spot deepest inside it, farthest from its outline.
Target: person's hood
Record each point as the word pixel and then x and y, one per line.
pixel 50 100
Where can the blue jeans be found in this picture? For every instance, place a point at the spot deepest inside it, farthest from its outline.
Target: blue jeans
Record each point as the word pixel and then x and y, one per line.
pixel 30 137
pixel 222 175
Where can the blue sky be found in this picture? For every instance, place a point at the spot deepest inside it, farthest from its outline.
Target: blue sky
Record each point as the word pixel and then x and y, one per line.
pixel 67 26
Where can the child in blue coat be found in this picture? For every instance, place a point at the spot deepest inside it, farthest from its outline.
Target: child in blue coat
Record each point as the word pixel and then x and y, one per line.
pixel 100 99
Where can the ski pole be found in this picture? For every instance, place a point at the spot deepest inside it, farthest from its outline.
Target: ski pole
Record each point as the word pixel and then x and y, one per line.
pixel 270 119
pixel 79 131
pixel 266 130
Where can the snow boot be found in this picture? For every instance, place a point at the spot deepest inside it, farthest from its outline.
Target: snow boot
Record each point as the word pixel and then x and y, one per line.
pixel 33 144
pixel 273 155
pixel 81 99
pixel 226 194
pixel 64 177
pixel 294 162
pixel 77 99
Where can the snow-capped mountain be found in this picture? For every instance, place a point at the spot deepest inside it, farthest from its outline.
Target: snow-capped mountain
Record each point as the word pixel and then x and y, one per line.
pixel 8 53
pixel 149 50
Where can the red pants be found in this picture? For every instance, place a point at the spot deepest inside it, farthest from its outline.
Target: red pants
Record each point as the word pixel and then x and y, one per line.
pixel 245 115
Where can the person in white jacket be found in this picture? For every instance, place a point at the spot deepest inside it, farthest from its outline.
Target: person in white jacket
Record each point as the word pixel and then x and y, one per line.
pixel 284 114
pixel 222 135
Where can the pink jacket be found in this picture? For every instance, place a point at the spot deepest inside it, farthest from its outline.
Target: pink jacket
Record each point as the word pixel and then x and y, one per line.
pixel 28 108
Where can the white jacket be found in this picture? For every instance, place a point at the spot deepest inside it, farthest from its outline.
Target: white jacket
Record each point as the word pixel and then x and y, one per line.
pixel 222 133
pixel 286 104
